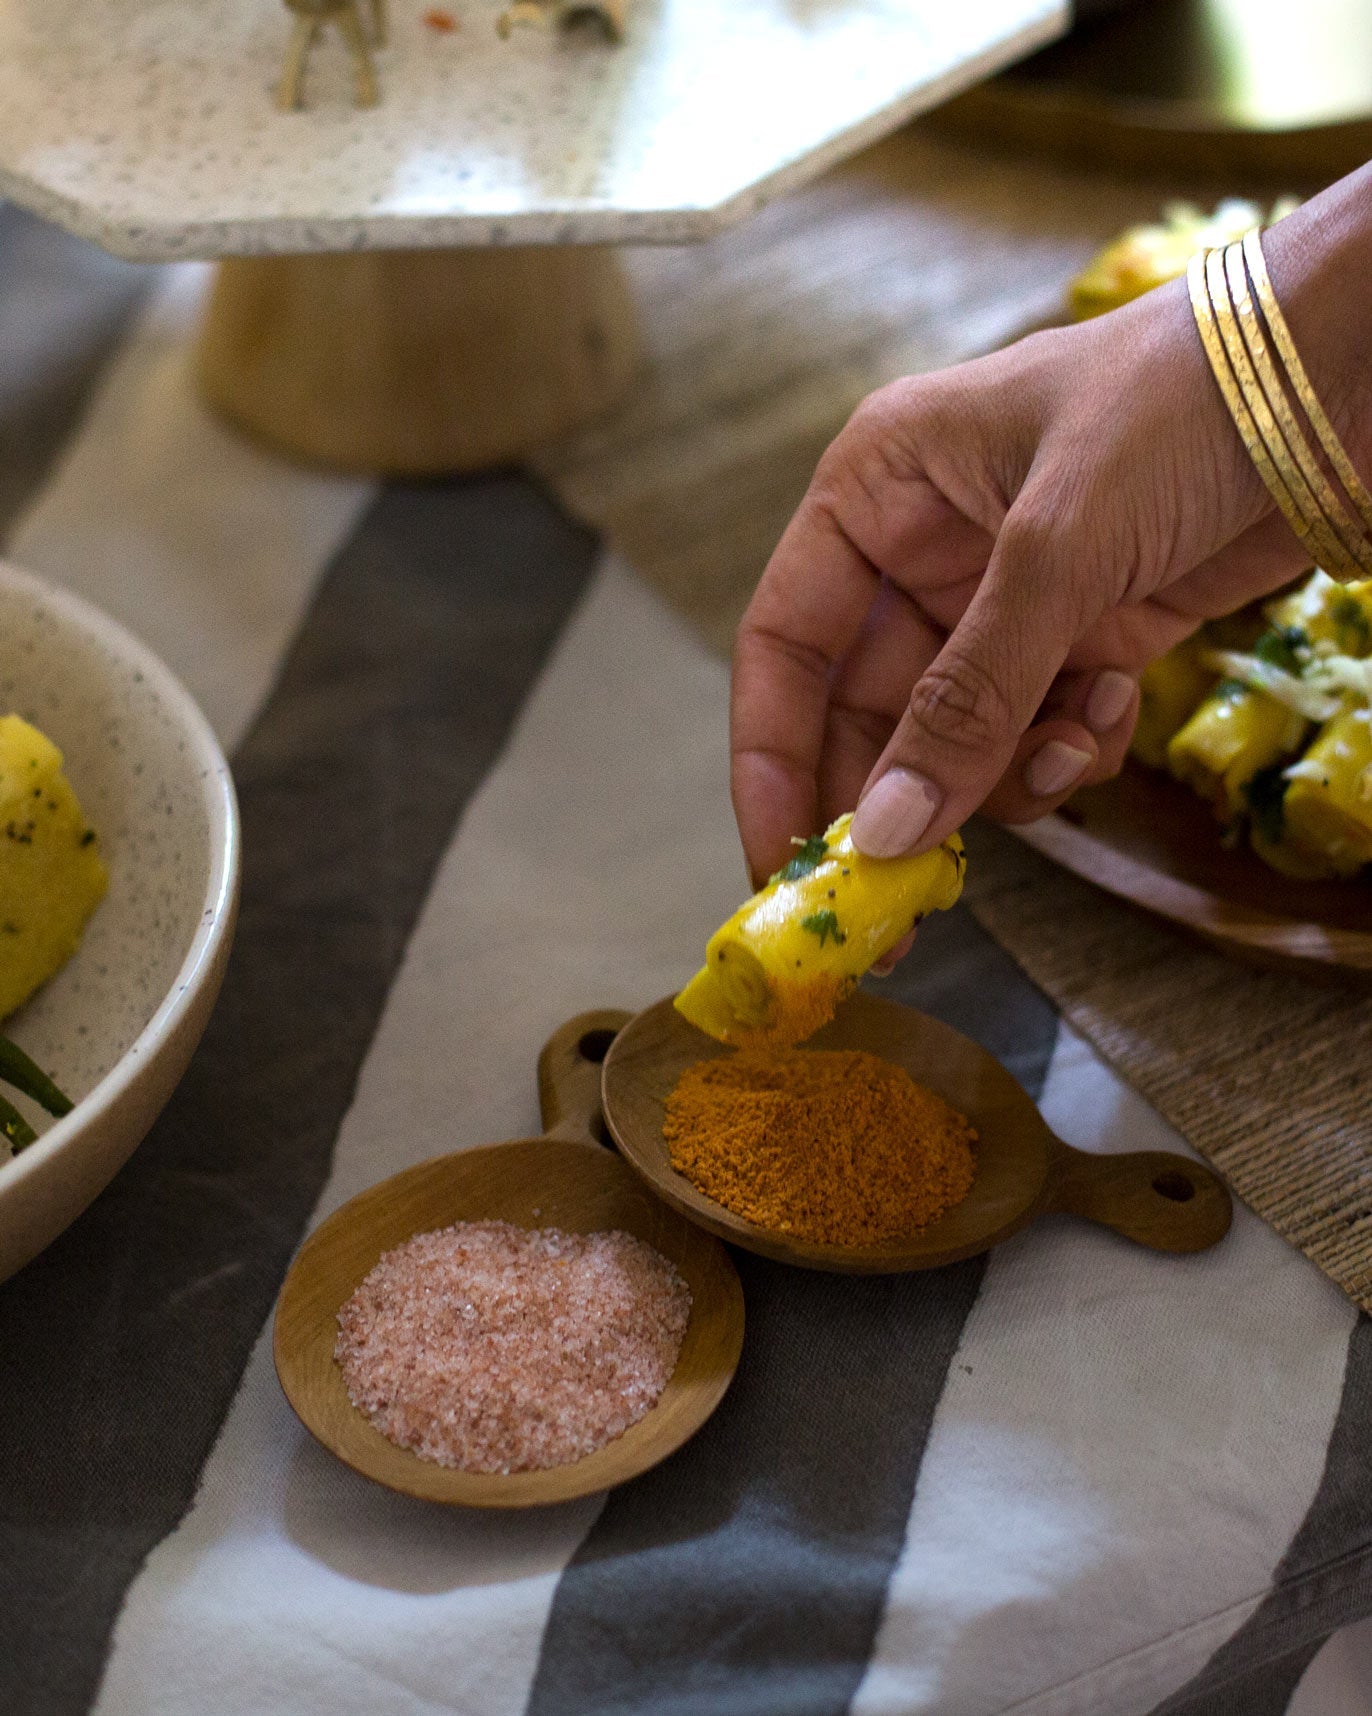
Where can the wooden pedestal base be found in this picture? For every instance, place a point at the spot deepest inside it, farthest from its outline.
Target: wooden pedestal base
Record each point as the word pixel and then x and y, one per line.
pixel 413 363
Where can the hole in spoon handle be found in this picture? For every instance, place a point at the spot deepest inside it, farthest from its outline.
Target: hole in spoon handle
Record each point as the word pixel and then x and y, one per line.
pixel 1156 1198
pixel 569 1075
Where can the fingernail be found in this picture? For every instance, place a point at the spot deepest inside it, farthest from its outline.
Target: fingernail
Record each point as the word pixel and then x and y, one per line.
pixel 895 813
pixel 1053 768
pixel 1110 696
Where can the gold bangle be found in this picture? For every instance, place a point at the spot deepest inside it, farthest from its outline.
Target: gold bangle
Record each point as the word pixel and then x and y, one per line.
pixel 1300 381
pixel 1317 536
pixel 1353 550
pixel 1208 329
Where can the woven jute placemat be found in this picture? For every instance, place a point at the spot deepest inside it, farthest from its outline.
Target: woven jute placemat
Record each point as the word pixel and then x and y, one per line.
pixel 1266 1074
pixel 918 254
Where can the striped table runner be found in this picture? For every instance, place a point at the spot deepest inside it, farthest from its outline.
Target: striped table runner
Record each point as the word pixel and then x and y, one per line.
pixel 483 788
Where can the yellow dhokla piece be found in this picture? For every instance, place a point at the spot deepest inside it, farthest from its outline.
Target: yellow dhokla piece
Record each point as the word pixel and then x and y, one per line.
pixel 1147 256
pixel 775 972
pixel 1171 689
pixel 51 874
pixel 1328 805
pixel 1234 735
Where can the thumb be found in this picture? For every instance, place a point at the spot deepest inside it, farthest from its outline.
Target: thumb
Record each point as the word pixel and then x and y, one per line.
pixel 970 708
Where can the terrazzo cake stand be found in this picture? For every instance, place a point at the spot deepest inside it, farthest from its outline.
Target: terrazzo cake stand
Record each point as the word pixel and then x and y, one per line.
pixel 431 284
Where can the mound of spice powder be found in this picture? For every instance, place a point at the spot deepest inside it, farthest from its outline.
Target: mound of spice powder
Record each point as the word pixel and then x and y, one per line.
pixel 834 1145
pixel 496 1348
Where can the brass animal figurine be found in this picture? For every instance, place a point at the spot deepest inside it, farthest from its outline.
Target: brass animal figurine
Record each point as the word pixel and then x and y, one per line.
pixel 310 18
pixel 548 14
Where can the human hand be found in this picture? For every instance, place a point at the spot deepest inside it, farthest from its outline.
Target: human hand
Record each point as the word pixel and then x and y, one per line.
pixel 985 560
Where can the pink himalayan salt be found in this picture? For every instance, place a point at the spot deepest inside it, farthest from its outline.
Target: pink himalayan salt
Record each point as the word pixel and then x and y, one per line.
pixel 496 1348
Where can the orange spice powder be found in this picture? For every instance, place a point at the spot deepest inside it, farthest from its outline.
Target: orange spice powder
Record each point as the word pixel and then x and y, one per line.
pixel 798 1010
pixel 837 1146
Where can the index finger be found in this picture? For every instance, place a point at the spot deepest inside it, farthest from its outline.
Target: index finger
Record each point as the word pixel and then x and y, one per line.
pixel 805 614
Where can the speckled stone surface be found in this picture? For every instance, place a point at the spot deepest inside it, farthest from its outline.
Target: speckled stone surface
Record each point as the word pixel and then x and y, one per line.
pixel 142 781
pixel 148 125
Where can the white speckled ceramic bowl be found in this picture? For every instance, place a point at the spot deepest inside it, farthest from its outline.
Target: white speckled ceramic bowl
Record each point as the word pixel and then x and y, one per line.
pixel 117 1025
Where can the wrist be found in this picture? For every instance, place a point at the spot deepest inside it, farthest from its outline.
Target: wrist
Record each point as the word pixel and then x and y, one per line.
pixel 1207 459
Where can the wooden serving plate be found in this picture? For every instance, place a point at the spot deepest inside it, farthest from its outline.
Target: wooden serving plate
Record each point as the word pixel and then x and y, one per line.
pixel 1149 840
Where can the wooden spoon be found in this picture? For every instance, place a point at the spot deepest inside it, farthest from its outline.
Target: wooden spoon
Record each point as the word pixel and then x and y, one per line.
pixel 564 1179
pixel 1024 1170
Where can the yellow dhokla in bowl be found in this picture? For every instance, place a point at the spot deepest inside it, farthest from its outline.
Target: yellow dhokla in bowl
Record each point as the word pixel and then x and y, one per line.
pixel 112 947
pixel 52 876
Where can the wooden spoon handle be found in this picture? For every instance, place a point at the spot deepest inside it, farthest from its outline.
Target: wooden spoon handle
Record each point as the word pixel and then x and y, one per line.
pixel 569 1075
pixel 1154 1197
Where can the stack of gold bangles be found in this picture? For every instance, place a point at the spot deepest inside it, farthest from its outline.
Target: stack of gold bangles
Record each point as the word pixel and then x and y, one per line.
pixel 1238 315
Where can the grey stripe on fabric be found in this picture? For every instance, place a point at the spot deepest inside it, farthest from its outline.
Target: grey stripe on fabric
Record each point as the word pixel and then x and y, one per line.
pixel 747 1575
pixel 121 1347
pixel 1262 1689
pixel 1324 1580
pixel 63 306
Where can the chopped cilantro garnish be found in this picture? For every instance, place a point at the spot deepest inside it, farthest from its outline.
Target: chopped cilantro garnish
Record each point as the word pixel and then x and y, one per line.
pixel 1279 647
pixel 824 925
pixel 808 859
pixel 1265 793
